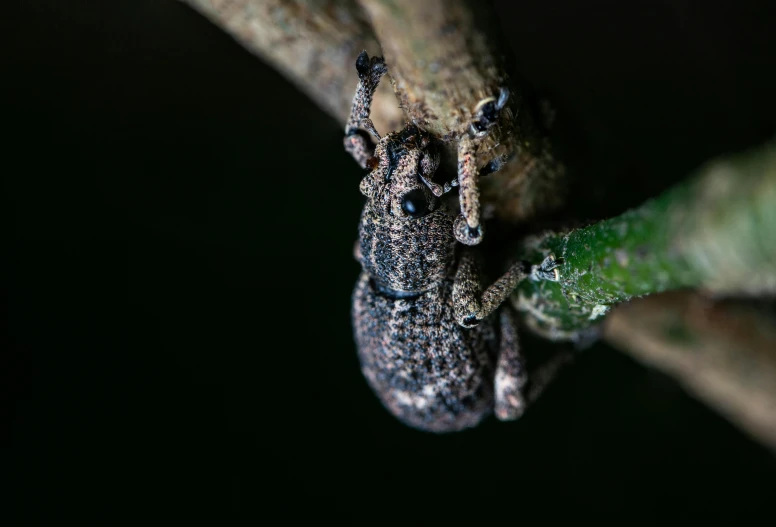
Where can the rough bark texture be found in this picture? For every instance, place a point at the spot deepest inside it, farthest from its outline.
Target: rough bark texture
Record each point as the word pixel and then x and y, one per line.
pixel 445 66
pixel 441 61
pixel 723 352
pixel 314 43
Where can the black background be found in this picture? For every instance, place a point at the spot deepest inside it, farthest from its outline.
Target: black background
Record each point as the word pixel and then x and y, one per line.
pixel 180 271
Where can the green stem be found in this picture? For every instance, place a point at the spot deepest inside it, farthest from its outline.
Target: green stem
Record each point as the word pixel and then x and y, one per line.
pixel 716 231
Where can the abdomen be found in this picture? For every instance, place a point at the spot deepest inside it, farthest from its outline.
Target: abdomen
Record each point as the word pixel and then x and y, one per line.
pixel 428 371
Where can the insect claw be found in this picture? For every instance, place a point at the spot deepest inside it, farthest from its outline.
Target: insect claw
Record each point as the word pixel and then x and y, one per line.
pixel 370 127
pixel 435 189
pixel 362 64
pixel 503 97
pixel 547 270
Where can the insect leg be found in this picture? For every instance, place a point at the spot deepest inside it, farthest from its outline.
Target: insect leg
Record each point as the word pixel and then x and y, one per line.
pixel 543 375
pixel 470 305
pixel 370 70
pixel 515 387
pixel 511 375
pixel 467 228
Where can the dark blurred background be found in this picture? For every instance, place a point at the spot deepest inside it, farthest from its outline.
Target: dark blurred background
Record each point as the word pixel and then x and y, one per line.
pixel 182 222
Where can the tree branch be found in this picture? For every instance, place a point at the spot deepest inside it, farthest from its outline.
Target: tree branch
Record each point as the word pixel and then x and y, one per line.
pixel 443 61
pixel 724 352
pixel 714 232
pixel 314 44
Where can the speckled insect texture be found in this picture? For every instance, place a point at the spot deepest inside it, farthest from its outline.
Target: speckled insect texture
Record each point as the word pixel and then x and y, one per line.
pixel 440 352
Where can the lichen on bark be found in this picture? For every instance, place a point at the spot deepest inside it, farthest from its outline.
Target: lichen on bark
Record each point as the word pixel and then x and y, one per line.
pixel 713 232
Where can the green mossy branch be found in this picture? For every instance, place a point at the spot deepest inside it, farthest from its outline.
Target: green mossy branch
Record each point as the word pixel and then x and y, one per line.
pixel 716 232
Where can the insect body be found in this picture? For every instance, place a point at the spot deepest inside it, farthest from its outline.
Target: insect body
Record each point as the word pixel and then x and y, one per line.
pixel 434 347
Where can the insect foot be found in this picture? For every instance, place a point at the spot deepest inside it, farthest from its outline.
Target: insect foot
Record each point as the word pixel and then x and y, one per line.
pixel 486 115
pixel 547 270
pixel 357 144
pixel 465 234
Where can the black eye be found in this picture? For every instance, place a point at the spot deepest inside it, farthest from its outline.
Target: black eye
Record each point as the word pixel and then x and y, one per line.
pixel 414 203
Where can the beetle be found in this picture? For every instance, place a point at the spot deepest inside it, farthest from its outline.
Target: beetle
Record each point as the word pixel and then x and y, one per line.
pixel 439 352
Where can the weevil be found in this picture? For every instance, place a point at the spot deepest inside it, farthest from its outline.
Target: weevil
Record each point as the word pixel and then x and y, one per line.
pixel 439 352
